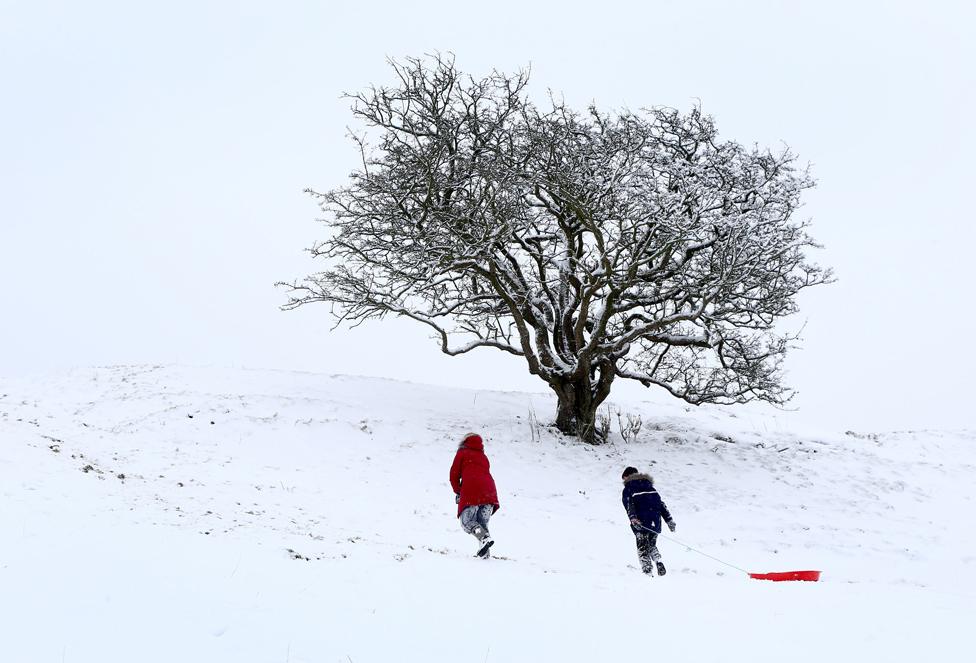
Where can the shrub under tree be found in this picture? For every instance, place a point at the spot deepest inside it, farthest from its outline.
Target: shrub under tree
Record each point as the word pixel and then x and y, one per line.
pixel 596 245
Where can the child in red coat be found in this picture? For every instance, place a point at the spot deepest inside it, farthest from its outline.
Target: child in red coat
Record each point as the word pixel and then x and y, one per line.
pixel 474 490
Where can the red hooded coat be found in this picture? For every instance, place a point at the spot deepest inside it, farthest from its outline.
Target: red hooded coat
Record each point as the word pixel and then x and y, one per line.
pixel 471 475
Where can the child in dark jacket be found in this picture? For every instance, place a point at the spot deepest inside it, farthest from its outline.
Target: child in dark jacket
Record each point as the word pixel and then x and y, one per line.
pixel 645 508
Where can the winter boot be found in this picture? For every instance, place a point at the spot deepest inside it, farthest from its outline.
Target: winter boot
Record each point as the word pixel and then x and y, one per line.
pixel 660 569
pixel 486 544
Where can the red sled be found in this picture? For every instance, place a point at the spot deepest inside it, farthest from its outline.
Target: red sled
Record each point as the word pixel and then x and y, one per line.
pixel 780 576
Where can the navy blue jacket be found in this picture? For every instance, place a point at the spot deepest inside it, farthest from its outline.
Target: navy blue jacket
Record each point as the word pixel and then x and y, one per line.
pixel 642 500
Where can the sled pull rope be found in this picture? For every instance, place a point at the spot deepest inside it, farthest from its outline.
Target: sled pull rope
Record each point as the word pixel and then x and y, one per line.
pixel 682 543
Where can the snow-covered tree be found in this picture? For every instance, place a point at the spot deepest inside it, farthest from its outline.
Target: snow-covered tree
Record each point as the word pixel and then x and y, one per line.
pixel 597 246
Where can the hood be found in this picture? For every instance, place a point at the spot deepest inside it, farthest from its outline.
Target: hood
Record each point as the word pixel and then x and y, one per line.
pixel 472 441
pixel 639 476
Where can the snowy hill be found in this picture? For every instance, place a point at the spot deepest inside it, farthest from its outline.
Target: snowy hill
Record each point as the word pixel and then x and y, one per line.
pixel 176 514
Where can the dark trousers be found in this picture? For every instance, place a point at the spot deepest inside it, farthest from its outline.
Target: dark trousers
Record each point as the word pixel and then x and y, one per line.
pixel 647 550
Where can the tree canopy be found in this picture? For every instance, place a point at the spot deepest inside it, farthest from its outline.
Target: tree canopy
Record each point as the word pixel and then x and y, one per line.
pixel 596 245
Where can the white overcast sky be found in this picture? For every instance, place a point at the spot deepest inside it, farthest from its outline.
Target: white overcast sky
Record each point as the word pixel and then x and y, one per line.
pixel 153 156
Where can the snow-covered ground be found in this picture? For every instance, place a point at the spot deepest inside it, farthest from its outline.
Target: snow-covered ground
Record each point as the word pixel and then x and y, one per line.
pixel 179 515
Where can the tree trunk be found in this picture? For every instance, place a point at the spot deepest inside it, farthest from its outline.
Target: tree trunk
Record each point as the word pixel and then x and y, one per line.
pixel 576 411
pixel 566 411
pixel 578 402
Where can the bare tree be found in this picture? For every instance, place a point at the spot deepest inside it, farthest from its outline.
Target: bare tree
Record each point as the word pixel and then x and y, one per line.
pixel 597 246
